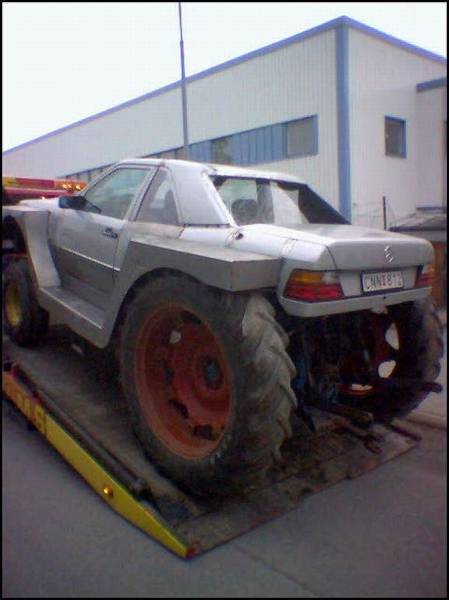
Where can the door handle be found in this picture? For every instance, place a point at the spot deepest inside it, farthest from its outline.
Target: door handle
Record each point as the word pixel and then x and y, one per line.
pixel 109 232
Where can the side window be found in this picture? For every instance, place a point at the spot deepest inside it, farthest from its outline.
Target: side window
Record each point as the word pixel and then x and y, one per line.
pixel 113 194
pixel 158 205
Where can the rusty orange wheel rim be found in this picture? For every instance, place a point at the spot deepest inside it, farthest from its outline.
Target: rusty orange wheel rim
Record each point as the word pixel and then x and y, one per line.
pixel 13 307
pixel 182 382
pixel 382 353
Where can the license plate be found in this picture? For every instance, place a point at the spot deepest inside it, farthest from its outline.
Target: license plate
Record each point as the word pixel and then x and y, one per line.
pixel 386 280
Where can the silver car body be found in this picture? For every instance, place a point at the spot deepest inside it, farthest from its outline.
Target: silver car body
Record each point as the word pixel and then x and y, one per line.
pixel 83 273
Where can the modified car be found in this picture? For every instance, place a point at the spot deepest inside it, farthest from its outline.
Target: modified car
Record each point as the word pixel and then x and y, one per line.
pixel 233 299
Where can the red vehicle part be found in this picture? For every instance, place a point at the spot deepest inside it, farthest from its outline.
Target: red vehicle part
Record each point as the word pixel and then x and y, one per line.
pixel 183 384
pixel 20 188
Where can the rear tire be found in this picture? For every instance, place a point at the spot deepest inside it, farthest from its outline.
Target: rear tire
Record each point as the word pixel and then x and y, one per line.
pixel 207 380
pixel 420 348
pixel 24 321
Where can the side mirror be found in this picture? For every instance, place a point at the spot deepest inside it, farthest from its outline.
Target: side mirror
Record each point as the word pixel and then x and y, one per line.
pixel 75 202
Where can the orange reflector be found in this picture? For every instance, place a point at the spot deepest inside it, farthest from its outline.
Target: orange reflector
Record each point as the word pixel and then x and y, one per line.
pixel 69 185
pixel 108 491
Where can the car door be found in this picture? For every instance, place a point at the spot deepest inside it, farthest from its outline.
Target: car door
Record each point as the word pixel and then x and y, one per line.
pixel 86 240
pixel 156 215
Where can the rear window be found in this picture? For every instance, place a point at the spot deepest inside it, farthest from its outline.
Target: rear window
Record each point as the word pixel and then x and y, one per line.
pixel 252 201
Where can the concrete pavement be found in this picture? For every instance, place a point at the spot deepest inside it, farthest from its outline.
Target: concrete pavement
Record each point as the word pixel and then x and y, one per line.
pixel 381 535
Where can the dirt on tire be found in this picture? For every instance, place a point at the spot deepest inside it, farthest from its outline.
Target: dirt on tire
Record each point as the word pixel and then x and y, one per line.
pixel 259 372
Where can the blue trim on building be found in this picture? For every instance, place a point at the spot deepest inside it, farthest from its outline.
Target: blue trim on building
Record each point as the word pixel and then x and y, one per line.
pixel 344 148
pixel 279 141
pixel 432 84
pixel 201 151
pixel 334 24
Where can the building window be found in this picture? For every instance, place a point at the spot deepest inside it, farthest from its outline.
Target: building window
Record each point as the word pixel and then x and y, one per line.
pixel 222 150
pixel 302 137
pixel 395 137
pixel 264 144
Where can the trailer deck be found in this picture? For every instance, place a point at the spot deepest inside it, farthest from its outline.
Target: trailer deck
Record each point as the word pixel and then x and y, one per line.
pixel 70 393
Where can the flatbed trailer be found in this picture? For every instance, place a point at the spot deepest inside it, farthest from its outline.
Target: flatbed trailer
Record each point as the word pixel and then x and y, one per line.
pixel 70 394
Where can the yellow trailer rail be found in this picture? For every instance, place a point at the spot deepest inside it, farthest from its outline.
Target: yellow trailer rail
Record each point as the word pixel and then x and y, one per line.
pixel 76 406
pixel 106 486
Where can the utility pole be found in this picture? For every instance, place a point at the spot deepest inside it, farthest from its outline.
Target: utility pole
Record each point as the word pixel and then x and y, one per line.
pixel 384 210
pixel 183 88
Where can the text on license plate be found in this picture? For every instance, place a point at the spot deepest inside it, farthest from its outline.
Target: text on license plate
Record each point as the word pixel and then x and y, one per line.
pixel 387 280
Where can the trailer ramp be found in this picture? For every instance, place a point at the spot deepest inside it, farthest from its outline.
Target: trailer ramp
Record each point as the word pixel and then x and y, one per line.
pixel 71 395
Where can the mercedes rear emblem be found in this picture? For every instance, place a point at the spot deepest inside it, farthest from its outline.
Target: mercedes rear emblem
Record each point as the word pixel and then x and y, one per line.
pixel 389 256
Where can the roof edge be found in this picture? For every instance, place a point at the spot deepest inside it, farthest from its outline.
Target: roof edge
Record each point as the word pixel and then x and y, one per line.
pixel 432 84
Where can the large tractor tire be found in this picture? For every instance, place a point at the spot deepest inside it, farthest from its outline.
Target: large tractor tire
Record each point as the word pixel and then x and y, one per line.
pixel 407 341
pixel 207 380
pixel 24 321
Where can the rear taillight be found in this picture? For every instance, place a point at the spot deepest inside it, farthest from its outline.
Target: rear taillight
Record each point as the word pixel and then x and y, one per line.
pixel 313 286
pixel 425 276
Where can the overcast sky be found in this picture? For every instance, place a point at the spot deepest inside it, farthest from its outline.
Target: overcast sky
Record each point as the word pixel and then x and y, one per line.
pixel 63 61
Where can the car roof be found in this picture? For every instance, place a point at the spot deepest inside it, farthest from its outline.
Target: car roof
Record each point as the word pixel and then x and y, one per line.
pixel 217 169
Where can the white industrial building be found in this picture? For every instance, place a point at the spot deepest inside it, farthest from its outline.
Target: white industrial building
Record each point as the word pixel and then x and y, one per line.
pixel 354 112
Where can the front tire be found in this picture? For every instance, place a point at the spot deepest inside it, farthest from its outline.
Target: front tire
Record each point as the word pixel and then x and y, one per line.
pixel 207 379
pixel 24 321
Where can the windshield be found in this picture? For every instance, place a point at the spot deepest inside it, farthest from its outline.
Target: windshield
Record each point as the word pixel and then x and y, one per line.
pixel 275 202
